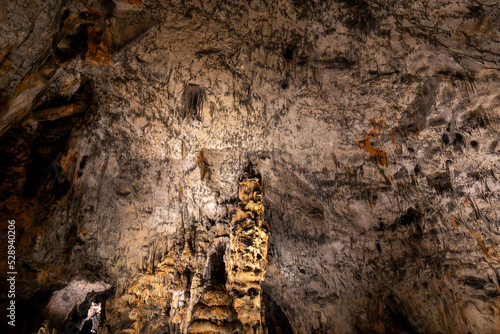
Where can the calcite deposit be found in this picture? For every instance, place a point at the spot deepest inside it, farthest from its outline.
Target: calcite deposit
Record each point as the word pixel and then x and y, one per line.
pixel 217 166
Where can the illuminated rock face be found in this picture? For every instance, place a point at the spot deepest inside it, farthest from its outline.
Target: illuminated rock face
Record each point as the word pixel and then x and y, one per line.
pixel 212 280
pixel 248 247
pixel 371 128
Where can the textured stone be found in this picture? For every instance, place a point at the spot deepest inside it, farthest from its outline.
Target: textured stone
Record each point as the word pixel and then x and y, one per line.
pixel 127 127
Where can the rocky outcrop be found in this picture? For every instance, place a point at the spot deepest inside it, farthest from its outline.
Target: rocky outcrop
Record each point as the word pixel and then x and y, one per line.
pixel 210 279
pixel 248 253
pixel 372 128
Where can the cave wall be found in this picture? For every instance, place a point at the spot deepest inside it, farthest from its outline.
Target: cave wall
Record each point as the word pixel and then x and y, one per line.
pixel 368 130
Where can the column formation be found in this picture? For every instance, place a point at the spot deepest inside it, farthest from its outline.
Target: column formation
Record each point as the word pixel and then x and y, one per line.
pixel 246 266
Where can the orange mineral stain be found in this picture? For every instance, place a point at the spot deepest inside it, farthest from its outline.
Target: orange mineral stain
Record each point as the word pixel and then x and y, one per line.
pixel 379 155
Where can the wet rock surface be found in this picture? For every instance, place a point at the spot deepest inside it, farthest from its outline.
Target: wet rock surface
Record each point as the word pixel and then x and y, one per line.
pixel 255 166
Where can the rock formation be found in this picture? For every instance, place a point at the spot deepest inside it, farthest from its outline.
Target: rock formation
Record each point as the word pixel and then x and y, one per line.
pixel 251 166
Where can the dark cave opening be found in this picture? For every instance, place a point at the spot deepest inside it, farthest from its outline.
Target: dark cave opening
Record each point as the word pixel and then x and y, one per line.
pixel 217 267
pixel 29 312
pixel 275 319
pixel 400 325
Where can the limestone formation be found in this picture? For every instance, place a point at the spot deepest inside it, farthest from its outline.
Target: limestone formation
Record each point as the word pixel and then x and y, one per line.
pixel 252 166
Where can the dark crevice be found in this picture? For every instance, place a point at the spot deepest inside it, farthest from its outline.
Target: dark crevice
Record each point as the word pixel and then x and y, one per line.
pixel 275 319
pixel 218 267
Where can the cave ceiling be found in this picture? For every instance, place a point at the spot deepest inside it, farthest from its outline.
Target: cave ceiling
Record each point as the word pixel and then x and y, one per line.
pixel 251 166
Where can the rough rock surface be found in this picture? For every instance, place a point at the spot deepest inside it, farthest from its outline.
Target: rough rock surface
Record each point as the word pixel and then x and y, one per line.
pixel 371 128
